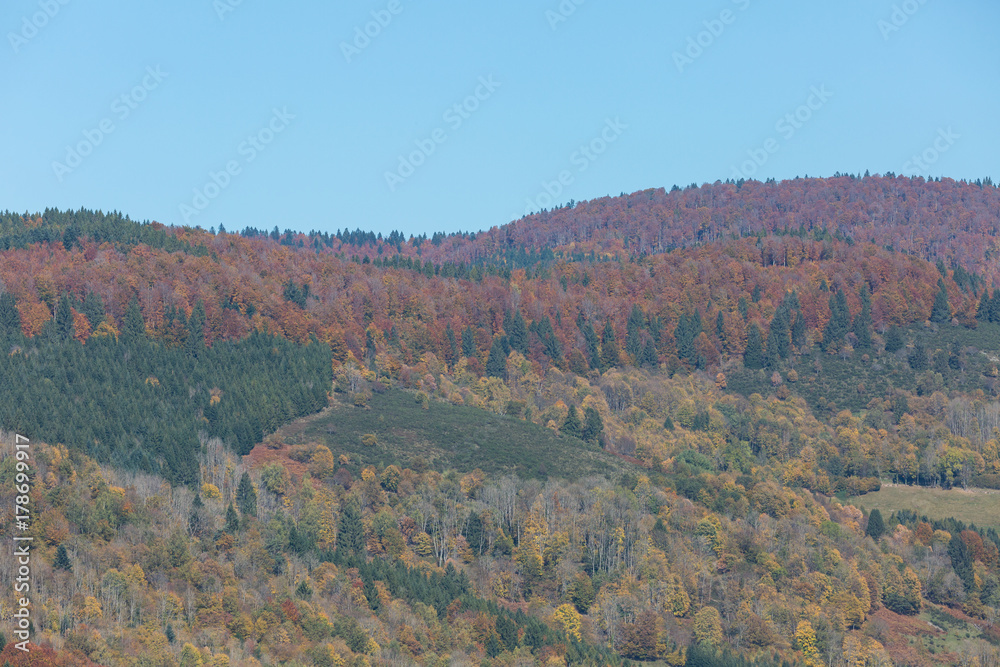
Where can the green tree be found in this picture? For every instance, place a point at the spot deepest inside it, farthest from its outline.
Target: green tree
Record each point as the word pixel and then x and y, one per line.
pixel 753 356
pixel 468 342
pixel 610 354
pixel 63 321
pixel 633 334
pixel 941 312
pixel 593 425
pixel 517 336
pixel 876 526
pixel 10 317
pixel 195 342
pixel 232 520
pixel 246 496
pixel 62 561
pixel 840 319
pixel 863 320
pixel 893 339
pixel 496 363
pixel 350 531
pixel 133 328
pixel 583 594
pixel 571 425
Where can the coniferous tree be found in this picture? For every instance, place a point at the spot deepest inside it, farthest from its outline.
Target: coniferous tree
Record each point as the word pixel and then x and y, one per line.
pixel 10 317
pixel 610 354
pixel 778 337
pixel 893 339
pixel 648 356
pixel 994 310
pixel 496 363
pixel 246 496
pixel 517 336
pixel 468 342
pixel 799 330
pixel 232 520
pixel 591 342
pixel 633 334
pixel 941 312
pixel 863 320
pixel 133 328
pixel 350 531
pixel 593 426
pixel 876 525
pixel 840 319
pixel 195 342
pixel 571 425
pixel 93 309
pixel 451 351
pixel 753 356
pixel 62 561
pixel 63 321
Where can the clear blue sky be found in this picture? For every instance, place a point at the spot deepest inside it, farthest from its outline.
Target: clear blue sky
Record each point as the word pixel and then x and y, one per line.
pixel 199 78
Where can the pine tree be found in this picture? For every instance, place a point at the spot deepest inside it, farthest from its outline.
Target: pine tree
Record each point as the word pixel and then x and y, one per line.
pixel 778 343
pixel 633 334
pixel 799 330
pixel 648 356
pixel 232 520
pixel 571 425
pixel 246 496
pixel 496 363
pixel 941 312
pixel 840 318
pixel 590 340
pixel 753 356
pixel 517 335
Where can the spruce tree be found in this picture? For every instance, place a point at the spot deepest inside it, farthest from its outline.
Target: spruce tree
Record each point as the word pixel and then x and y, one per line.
pixel 496 363
pixel 753 356
pixel 876 525
pixel 941 312
pixel 451 351
pixel 517 334
pixel 633 334
pixel 232 520
pixel 350 531
pixel 571 425
pixel 468 342
pixel 893 339
pixel 10 317
pixel 593 426
pixel 590 340
pixel 195 342
pixel 246 496
pixel 133 328
pixel 863 321
pixel 610 354
pixel 648 356
pixel 62 561
pixel 840 319
pixel 64 328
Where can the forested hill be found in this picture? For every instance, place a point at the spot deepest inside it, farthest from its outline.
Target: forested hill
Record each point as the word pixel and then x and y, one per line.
pixel 743 353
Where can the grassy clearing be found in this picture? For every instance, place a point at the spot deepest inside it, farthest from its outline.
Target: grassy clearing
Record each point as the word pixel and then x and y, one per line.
pixel 449 437
pixel 979 506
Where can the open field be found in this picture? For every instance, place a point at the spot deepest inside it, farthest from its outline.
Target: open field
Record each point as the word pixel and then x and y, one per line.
pixel 978 506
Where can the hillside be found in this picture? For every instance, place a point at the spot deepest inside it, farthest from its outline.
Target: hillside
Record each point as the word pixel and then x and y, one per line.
pixel 622 430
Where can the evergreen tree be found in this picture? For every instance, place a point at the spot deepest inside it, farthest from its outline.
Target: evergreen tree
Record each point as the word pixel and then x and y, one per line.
pixel 246 496
pixel 593 426
pixel 62 561
pixel 633 334
pixel 941 312
pixel 571 425
pixel 451 351
pixel 799 330
pixel 876 525
pixel 720 326
pixel 753 356
pixel 496 363
pixel 517 334
pixel 133 328
pixel 590 340
pixel 840 318
pixel 350 531
pixel 918 357
pixel 983 309
pixel 893 339
pixel 648 356
pixel 64 328
pixel 778 338
pixel 232 520
pixel 10 317
pixel 468 342
pixel 743 307
pixel 195 342
pixel 610 354
pixel 93 309
pixel 994 310
pixel 863 320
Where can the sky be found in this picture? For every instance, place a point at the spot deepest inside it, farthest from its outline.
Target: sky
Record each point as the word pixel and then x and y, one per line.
pixel 425 116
